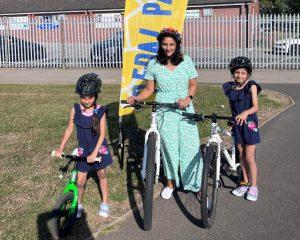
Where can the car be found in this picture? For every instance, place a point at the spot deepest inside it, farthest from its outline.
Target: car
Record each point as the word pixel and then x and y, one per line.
pixel 108 53
pixel 289 46
pixel 15 49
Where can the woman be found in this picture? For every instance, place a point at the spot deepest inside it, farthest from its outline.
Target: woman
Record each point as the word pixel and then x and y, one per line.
pixel 173 75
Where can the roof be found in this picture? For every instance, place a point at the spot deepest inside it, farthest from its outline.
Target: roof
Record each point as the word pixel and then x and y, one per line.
pixel 38 6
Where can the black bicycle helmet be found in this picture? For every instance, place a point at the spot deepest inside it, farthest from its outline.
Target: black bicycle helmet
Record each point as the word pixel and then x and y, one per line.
pixel 240 62
pixel 169 32
pixel 89 84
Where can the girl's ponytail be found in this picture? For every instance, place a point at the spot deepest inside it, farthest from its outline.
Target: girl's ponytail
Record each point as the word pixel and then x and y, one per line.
pixel 95 121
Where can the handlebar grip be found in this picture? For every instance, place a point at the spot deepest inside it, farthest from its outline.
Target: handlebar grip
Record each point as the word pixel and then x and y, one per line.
pixel 190 115
pixel 194 116
pixel 124 101
pixel 53 153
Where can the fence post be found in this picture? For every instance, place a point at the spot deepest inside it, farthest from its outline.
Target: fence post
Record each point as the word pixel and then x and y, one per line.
pixel 62 58
pixel 7 39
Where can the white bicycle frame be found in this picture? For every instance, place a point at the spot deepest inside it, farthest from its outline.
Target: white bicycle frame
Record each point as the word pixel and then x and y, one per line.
pixel 152 129
pixel 215 139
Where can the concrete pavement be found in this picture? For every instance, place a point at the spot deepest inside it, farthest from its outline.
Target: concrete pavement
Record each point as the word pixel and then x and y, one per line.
pixel 70 76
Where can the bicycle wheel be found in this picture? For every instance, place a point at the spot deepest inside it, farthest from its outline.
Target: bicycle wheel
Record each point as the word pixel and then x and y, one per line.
pixel 62 219
pixel 209 190
pixel 149 182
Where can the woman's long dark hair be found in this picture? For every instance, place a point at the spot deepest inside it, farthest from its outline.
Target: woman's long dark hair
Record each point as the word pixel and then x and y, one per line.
pixel 177 56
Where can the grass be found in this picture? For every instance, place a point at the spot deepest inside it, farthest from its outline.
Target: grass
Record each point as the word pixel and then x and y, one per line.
pixel 32 121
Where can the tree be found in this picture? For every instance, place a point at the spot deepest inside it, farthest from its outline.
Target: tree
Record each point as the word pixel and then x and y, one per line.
pixel 279 6
pixel 293 6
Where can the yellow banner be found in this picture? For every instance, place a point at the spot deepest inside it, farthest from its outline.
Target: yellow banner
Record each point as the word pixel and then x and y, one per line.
pixel 143 21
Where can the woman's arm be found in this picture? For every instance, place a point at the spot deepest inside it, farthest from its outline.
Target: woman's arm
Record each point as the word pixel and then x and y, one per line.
pixel 146 92
pixel 241 118
pixel 91 158
pixel 183 103
pixel 67 134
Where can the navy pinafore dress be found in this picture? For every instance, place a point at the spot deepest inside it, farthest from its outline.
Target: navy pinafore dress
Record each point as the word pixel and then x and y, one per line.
pixel 241 100
pixel 87 141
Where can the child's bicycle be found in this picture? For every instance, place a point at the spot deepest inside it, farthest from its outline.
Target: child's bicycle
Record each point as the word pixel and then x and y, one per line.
pixel 151 161
pixel 212 164
pixel 65 209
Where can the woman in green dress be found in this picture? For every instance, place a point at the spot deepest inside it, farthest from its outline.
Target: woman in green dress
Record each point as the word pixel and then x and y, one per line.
pixel 173 75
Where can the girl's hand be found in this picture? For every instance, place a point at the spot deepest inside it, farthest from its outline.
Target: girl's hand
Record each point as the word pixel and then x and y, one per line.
pixel 131 99
pixel 241 118
pixel 58 152
pixel 91 158
pixel 184 103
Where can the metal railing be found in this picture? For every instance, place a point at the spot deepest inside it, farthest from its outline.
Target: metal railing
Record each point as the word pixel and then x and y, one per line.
pixel 83 41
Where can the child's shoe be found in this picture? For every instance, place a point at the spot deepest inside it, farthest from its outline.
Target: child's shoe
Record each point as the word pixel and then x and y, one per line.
pixel 252 194
pixel 104 210
pixel 240 191
pixel 79 210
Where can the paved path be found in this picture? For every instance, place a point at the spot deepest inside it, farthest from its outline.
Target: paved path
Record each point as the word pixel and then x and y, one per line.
pixel 70 76
pixel 276 215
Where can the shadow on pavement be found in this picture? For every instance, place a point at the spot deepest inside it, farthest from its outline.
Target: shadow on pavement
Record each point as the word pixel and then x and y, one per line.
pixel 189 203
pixel 134 143
pixel 130 156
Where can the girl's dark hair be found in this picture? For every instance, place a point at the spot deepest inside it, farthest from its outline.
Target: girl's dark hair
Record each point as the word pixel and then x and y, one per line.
pixel 177 56
pixel 95 120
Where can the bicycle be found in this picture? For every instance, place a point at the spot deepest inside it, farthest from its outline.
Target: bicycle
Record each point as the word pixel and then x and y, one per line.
pixel 150 172
pixel 65 208
pixel 212 164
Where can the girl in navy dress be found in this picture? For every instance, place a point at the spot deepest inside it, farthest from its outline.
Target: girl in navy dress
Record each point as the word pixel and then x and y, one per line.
pixel 242 94
pixel 90 121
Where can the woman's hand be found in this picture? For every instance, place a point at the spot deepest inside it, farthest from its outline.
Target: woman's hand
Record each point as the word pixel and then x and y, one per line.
pixel 91 158
pixel 131 99
pixel 241 118
pixel 184 103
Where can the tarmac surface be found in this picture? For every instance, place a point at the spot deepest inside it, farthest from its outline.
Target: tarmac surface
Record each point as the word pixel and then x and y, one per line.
pixel 276 214
pixel 70 76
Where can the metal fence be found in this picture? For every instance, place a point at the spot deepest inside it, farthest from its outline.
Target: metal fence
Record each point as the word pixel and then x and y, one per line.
pixel 82 41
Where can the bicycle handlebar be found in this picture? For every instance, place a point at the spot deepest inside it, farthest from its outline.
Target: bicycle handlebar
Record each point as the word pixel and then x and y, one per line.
pixel 74 157
pixel 137 104
pixel 200 117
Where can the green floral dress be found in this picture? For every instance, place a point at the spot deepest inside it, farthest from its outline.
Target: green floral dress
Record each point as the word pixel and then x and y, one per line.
pixel 180 142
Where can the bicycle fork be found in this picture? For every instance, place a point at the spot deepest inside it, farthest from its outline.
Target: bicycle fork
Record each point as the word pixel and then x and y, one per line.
pixel 152 129
pixel 71 187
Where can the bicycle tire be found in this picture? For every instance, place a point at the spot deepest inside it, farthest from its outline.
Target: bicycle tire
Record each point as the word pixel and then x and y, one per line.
pixel 209 190
pixel 149 182
pixel 62 220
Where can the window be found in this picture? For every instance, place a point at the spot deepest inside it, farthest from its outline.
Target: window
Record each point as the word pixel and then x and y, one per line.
pixel 109 20
pixel 207 12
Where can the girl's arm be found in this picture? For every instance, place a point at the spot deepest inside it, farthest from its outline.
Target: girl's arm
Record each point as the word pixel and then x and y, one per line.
pixel 241 118
pixel 183 103
pixel 146 92
pixel 91 158
pixel 67 134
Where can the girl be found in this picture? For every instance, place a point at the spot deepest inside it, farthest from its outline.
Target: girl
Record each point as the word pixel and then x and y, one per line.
pixel 242 94
pixel 90 121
